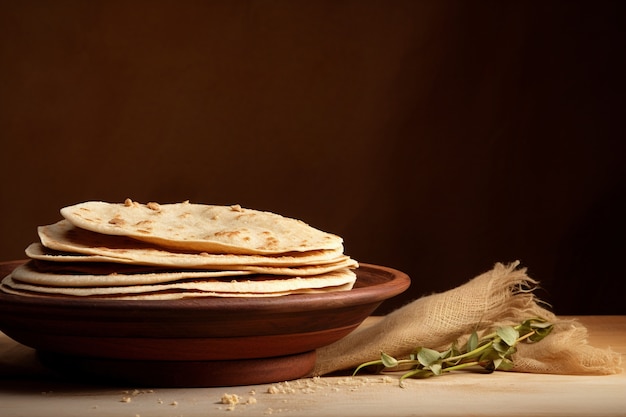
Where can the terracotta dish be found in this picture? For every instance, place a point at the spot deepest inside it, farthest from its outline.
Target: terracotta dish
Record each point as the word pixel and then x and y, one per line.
pixel 192 342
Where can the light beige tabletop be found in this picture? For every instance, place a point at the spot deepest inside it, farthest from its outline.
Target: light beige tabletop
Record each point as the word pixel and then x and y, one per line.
pixel 28 390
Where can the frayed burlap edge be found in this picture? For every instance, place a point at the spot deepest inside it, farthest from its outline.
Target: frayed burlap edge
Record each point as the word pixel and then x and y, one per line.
pixel 566 351
pixel 503 295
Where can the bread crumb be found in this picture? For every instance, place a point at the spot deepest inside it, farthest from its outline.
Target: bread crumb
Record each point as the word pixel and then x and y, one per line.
pixel 324 386
pixel 126 400
pixel 236 207
pixel 153 206
pixel 231 399
pixel 234 400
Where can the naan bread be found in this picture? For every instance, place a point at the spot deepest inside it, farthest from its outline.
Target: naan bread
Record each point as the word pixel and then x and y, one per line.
pixel 199 227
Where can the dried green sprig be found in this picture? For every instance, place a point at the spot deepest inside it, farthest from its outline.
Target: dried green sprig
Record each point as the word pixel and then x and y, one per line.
pixel 492 351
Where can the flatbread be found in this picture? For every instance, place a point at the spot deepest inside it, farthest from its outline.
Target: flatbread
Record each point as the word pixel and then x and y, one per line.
pixel 98 275
pixel 200 227
pixel 164 252
pixel 178 295
pixel 63 236
pixel 38 252
pixel 262 285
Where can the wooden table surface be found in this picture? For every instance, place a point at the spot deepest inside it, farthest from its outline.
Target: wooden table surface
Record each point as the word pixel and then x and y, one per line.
pixel 28 390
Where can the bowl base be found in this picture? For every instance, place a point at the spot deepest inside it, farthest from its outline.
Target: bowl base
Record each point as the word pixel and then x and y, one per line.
pixel 181 374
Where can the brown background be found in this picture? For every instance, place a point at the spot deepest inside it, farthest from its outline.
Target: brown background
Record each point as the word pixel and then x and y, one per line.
pixel 435 137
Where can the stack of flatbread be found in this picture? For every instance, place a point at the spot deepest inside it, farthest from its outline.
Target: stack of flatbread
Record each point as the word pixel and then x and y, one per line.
pixel 172 251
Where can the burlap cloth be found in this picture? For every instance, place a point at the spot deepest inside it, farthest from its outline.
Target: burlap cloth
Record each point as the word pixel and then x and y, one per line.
pixel 502 296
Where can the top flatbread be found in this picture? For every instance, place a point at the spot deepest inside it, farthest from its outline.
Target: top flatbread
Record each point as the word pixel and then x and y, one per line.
pixel 199 227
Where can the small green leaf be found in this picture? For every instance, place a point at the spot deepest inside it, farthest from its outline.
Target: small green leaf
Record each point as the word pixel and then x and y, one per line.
pixel 503 349
pixel 455 350
pixel 489 355
pixel 503 364
pixel 508 335
pixel 540 333
pixel 472 342
pixel 428 356
pixel 540 324
pixel 388 361
pixel 448 352
pixel 435 368
pixel 500 346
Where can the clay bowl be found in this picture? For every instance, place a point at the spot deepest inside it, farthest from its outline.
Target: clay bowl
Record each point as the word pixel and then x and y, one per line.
pixel 192 342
